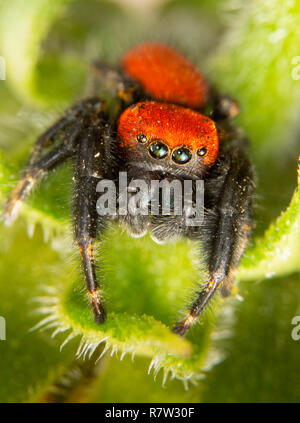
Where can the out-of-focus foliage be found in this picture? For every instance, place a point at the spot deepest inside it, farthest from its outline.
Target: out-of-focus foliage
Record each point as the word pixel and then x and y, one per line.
pixel 247 50
pixel 266 36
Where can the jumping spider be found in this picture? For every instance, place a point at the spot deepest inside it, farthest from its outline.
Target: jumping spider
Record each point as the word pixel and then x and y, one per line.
pixel 168 123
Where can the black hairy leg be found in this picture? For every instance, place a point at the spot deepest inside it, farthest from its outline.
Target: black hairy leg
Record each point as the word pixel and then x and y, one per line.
pixel 41 161
pixel 89 170
pixel 70 122
pixel 33 174
pixel 226 246
pixel 125 89
pixel 79 132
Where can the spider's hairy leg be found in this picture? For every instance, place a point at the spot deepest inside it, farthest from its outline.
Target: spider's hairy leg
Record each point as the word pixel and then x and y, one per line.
pixel 124 88
pixel 234 210
pixel 245 231
pixel 32 175
pixel 224 108
pixel 61 128
pixel 41 160
pixel 89 168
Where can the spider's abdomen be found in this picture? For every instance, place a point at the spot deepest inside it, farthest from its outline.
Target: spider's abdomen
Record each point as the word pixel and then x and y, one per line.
pixel 166 75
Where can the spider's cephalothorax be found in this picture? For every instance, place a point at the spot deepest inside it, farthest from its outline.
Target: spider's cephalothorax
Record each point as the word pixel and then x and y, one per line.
pixel 168 124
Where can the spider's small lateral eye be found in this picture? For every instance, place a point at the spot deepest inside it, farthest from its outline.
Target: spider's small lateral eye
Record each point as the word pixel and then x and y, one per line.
pixel 202 151
pixel 182 155
pixel 141 138
pixel 158 150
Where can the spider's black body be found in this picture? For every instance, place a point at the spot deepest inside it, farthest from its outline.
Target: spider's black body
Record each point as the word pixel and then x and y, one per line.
pixel 87 132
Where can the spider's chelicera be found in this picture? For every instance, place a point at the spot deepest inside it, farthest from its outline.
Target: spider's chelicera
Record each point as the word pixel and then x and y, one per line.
pixel 168 125
pixel 156 197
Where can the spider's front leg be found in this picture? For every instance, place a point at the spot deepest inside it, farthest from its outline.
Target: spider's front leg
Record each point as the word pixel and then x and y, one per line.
pixel 90 168
pixel 42 160
pixel 79 131
pixel 229 239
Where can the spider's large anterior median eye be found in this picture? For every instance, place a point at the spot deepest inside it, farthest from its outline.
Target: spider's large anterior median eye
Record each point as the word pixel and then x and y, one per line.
pixel 182 155
pixel 158 150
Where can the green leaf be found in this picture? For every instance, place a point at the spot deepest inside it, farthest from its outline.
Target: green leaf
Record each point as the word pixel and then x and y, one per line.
pixel 277 252
pixel 143 293
pixel 29 362
pixel 262 361
pixel 142 387
pixel 30 21
pixel 256 64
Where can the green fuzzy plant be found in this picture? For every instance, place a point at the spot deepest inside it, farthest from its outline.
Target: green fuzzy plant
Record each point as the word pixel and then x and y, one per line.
pixel 53 349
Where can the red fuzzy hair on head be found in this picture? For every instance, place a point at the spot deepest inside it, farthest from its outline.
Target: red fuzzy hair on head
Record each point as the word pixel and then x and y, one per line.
pixel 175 125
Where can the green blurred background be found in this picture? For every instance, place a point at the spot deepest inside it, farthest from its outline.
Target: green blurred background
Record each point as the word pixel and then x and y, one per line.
pixel 243 351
